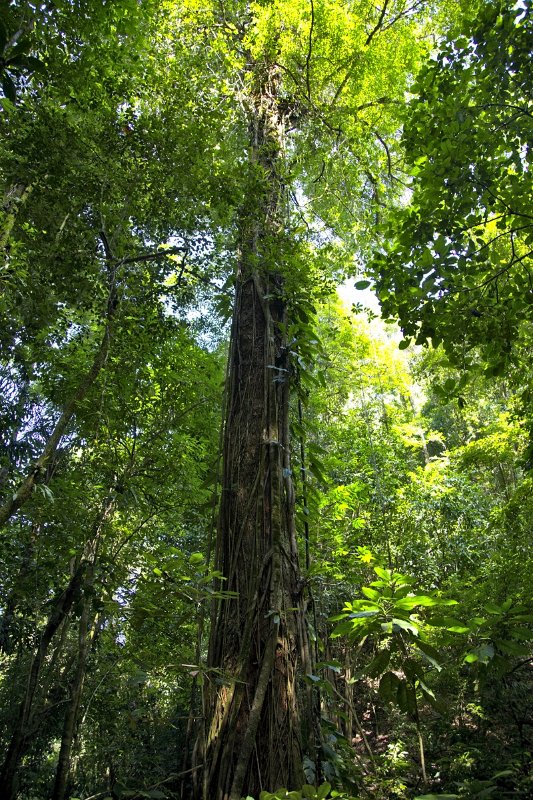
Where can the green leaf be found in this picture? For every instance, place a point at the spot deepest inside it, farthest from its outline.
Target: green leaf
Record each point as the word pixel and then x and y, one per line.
pixel 388 687
pixel 337 617
pixel 408 603
pixel 523 617
pixel 342 629
pixel 404 625
pixel 384 574
pixel 363 614
pixel 413 669
pixel 429 653
pixel 360 285
pixel 378 664
pixel 21 47
pixel 523 634
pixel 484 653
pixel 471 658
pixel 426 690
pixel 444 622
pixel 406 697
pixel 401 696
pixel 426 260
pixel 332 665
pixel 9 87
pixel 436 796
pixel 372 594
pixel 29 62
pixel 449 385
pixel 512 648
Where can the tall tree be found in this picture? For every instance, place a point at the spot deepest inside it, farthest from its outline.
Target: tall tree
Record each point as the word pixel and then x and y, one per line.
pixel 89 304
pixel 309 73
pixel 289 114
pixel 258 639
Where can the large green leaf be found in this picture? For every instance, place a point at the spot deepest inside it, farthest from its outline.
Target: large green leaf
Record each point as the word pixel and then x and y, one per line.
pixel 9 87
pixel 388 687
pixel 379 664
pixel 405 625
pixel 408 603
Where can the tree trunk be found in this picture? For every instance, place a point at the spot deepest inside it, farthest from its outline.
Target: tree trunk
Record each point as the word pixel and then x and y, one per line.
pixel 19 738
pixel 81 581
pixel 86 628
pixel 71 716
pixel 258 643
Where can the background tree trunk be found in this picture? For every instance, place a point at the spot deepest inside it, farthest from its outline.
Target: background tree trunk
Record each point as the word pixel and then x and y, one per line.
pixel 72 712
pixel 19 738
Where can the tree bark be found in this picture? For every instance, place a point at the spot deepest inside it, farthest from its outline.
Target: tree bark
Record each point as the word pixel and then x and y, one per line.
pixel 258 642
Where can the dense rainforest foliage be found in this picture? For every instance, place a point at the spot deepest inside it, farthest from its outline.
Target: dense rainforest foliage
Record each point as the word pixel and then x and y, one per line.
pixel 256 541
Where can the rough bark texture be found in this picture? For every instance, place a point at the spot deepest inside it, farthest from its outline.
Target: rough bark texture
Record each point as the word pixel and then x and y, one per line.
pixel 258 640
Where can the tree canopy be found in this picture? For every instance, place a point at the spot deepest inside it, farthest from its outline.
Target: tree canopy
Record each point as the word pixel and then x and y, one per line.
pixel 255 544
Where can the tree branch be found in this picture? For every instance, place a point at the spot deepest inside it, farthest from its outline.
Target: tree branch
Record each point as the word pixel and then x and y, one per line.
pixel 404 13
pixel 387 151
pixel 379 24
pixel 309 53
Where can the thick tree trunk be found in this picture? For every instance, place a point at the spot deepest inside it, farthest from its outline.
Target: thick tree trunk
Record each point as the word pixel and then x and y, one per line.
pixel 258 644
